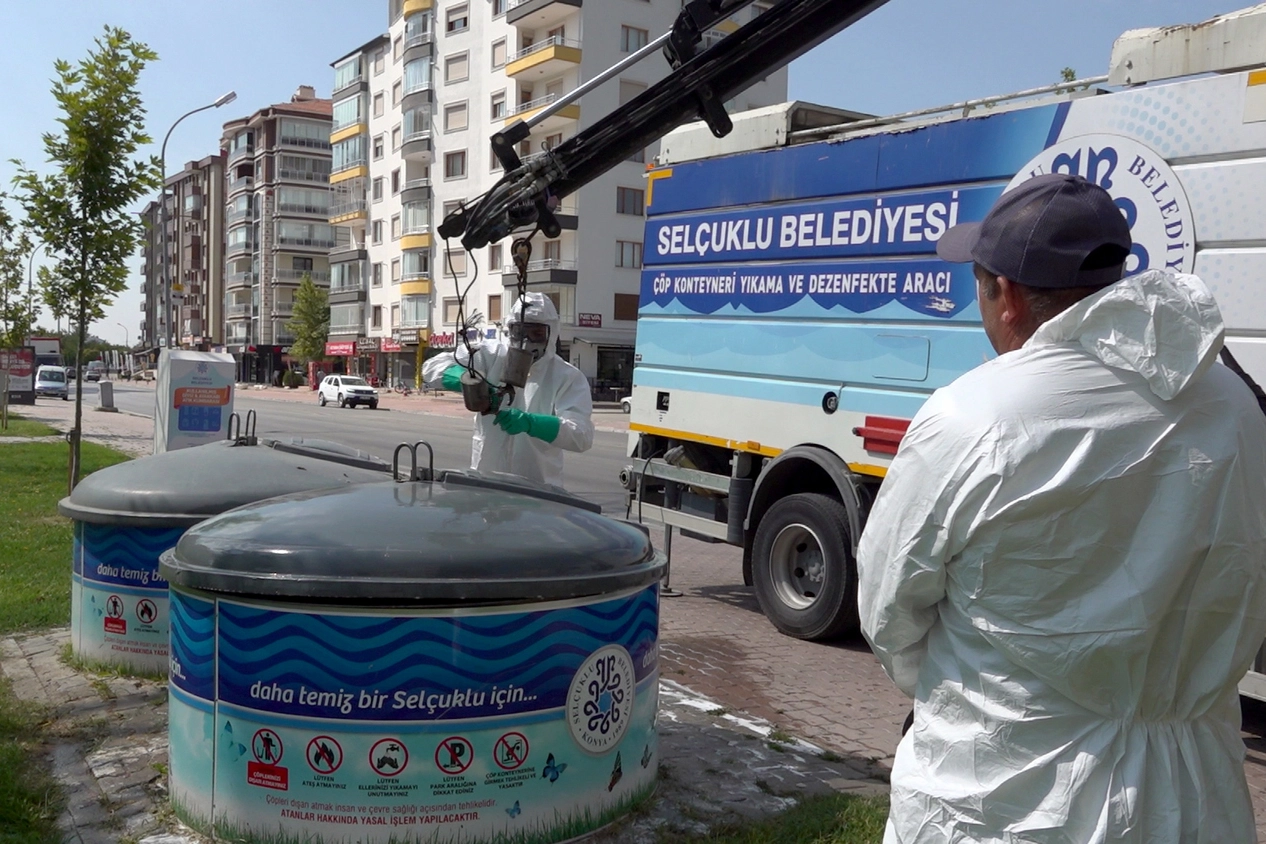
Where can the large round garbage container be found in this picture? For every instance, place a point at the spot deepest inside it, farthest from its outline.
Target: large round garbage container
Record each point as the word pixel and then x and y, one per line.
pixel 125 516
pixel 433 662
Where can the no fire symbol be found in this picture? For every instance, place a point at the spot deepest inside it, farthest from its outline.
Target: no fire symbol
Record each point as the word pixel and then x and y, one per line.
pixel 324 755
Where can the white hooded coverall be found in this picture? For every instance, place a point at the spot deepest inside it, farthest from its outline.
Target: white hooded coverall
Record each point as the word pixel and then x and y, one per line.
pixel 1064 568
pixel 554 387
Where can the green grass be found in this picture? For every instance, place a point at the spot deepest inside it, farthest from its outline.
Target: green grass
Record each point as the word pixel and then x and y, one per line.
pixel 29 798
pixel 35 542
pixel 829 819
pixel 19 427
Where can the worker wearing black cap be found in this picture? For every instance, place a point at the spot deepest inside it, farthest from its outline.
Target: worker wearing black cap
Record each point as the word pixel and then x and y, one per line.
pixel 1065 567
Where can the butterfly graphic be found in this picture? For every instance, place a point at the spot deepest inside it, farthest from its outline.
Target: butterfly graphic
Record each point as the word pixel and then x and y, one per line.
pixel 96 609
pixel 229 746
pixel 616 772
pixel 646 756
pixel 552 771
pixel 514 810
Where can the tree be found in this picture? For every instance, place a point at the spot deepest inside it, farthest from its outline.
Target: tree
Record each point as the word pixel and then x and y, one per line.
pixel 80 211
pixel 54 293
pixel 17 311
pixel 310 323
pixel 1067 75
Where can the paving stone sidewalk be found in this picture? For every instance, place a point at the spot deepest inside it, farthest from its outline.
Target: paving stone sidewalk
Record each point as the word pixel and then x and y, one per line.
pixel 110 755
pixel 126 432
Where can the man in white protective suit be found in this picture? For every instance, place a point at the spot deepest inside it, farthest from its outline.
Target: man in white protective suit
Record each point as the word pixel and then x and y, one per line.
pixel 1064 567
pixel 550 415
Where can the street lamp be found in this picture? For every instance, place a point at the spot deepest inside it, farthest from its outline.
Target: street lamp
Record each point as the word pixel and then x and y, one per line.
pixel 162 214
pixel 30 297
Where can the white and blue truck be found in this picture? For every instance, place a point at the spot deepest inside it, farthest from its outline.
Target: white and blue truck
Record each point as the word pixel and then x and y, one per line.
pixel 794 315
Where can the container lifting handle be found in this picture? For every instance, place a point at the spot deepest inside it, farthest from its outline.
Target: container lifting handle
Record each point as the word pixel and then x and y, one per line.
pixel 415 474
pixel 243 435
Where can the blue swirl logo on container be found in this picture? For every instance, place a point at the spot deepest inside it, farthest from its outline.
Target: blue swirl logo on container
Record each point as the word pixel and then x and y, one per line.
pixel 1143 186
pixel 600 699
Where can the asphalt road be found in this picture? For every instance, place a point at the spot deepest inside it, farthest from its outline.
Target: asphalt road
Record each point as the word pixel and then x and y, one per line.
pixel 593 475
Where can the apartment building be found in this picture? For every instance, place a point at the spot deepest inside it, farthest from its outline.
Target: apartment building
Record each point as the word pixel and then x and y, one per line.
pixel 276 211
pixel 195 260
pixel 430 95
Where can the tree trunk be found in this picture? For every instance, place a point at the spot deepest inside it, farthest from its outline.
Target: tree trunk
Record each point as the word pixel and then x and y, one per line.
pixel 76 433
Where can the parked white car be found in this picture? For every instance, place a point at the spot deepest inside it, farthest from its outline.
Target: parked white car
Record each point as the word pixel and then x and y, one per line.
pixel 51 381
pixel 347 391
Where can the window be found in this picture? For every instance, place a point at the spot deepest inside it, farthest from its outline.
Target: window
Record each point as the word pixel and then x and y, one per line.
pixel 499 105
pixel 626 306
pixel 494 266
pixel 348 154
pixel 395 271
pixel 375 321
pixel 455 117
pixel 347 73
pixel 376 228
pixel 552 141
pixel 494 308
pixel 311 200
pixel 380 61
pixel 628 254
pixel 395 48
pixel 416 218
pixel 395 315
pixel 553 250
pixel 629 90
pixel 396 136
pixel 377 282
pixel 301 264
pixel 377 189
pixel 450 207
pixel 305 134
pixel 457 68
pixel 498 53
pixel 417 264
pixel 632 39
pixel 395 227
pixel 457 19
pixel 454 263
pixel 380 105
pixel 628 201
pixel 450 310
pixel 498 8
pixel 377 147
pixel 396 90
pixel 455 166
pixel 348 112
pixel 638 157
pixel 415 311
pixel 346 319
pixel 417 75
pixel 395 181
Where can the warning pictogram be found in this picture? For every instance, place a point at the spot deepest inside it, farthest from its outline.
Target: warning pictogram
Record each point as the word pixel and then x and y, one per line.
pixel 388 757
pixel 324 755
pixel 114 622
pixel 267 747
pixel 146 612
pixel 510 751
pixel 114 606
pixel 454 755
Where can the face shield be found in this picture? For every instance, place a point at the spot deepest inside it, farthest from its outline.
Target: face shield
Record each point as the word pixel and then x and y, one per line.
pixel 532 337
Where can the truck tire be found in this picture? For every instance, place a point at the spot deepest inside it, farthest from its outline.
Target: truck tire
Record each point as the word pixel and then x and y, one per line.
pixel 803 569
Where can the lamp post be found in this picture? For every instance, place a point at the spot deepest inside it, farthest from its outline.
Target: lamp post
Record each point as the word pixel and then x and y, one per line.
pixel 162 215
pixel 30 296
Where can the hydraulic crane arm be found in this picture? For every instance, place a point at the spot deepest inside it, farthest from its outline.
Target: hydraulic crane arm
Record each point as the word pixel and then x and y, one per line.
pixel 697 87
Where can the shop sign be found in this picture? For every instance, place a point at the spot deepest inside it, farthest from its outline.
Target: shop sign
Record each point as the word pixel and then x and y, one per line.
pixel 589 320
pixel 391 345
pixel 340 349
pixel 366 345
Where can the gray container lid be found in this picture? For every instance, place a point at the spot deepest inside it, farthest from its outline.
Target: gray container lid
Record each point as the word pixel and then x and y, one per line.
pixel 182 488
pixel 409 544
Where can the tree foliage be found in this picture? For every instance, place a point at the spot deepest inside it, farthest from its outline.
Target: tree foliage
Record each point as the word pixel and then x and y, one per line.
pixel 1067 75
pixel 80 210
pixel 17 310
pixel 310 323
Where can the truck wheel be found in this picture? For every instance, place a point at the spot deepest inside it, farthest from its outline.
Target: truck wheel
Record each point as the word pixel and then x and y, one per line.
pixel 803 568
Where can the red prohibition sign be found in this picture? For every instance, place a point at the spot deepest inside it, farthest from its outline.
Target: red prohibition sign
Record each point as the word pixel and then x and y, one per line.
pixel 454 755
pixel 325 755
pixel 511 751
pixel 388 757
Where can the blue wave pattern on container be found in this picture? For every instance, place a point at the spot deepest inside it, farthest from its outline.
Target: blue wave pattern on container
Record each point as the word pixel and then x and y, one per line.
pixel 77 550
pixel 193 645
pixel 126 556
pixel 412 668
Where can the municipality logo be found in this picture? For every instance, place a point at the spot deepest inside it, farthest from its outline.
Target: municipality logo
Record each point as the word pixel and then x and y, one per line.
pixel 600 699
pixel 1143 186
pixel 202 368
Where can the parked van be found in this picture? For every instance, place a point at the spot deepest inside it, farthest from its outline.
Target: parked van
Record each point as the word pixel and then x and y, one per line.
pixel 51 381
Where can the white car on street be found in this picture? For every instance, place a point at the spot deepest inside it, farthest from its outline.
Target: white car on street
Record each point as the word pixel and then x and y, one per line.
pixel 347 391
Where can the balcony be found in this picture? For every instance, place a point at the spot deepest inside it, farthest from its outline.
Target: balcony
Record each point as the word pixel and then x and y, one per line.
pixel 415 190
pixel 246 279
pixel 305 242
pixel 238 216
pixel 242 311
pixel 343 212
pixel 244 247
pixel 247 151
pixel 412 7
pixel 415 286
pixel 283 309
pixel 353 250
pixel 304 143
pixel 543 271
pixel 296 276
pixel 563 118
pixel 244 183
pixel 544 59
pixel 540 14
pixel 416 147
pixel 351 169
pixel 291 208
pixel 302 176
pixel 418 43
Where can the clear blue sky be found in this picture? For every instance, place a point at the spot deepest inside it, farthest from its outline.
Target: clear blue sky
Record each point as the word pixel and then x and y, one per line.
pixel 909 54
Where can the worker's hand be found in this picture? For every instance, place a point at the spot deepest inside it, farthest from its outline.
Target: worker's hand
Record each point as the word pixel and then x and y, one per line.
pixel 452 378
pixel 539 425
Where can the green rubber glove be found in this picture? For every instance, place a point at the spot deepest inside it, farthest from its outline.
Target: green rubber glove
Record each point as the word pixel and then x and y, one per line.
pixel 452 378
pixel 539 425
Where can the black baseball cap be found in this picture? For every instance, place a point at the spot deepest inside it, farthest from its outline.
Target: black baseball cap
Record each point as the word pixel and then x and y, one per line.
pixel 1041 232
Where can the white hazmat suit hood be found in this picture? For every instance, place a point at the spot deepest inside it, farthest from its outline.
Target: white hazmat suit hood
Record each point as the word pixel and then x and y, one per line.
pixel 554 387
pixel 1064 568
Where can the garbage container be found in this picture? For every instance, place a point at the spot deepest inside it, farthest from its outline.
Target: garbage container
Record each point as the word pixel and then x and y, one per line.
pixel 125 516
pixel 450 661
